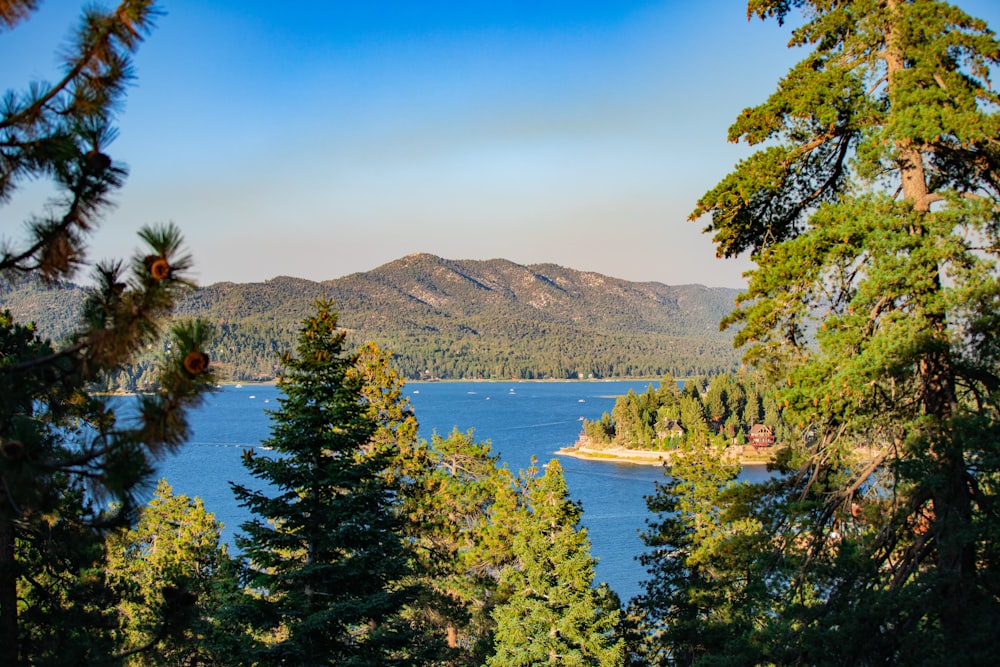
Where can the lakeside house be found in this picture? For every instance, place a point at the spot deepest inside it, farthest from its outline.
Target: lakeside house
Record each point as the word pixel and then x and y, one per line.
pixel 760 437
pixel 669 429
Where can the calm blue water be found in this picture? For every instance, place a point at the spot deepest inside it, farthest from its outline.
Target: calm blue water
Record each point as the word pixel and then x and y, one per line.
pixel 520 419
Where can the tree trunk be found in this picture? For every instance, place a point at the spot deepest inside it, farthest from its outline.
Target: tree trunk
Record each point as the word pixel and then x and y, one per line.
pixel 8 596
pixel 951 501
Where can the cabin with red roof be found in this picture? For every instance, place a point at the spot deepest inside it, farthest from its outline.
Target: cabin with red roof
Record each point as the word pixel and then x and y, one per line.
pixel 760 436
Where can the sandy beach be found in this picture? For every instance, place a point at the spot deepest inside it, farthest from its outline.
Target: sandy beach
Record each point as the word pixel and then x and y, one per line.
pixel 644 456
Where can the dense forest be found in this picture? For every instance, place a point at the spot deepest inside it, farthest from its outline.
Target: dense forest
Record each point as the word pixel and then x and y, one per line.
pixel 448 320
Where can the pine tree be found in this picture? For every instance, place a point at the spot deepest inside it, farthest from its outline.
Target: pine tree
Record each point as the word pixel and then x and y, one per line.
pixel 871 213
pixel 325 548
pixel 553 615
pixel 695 588
pixel 174 582
pixel 443 494
pixel 66 613
pixel 450 518
pixel 396 425
pixel 63 452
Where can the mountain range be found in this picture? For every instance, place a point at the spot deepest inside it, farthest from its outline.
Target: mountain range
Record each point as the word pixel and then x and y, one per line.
pixel 454 319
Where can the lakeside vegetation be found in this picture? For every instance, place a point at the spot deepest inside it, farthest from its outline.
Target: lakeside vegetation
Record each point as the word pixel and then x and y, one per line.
pixel 651 425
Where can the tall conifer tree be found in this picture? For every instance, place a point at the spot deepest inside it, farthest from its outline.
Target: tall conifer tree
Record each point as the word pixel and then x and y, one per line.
pixel 449 519
pixel 553 614
pixel 325 548
pixel 872 215
pixel 701 556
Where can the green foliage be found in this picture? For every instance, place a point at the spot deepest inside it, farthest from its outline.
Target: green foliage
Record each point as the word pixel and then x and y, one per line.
pixel 601 431
pixel 872 217
pixel 66 613
pixel 552 614
pixel 699 542
pixel 663 417
pixel 325 549
pixel 444 491
pixel 175 584
pixel 64 453
pixel 450 520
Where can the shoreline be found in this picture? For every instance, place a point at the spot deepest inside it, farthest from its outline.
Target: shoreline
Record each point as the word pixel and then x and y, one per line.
pixel 640 456
pixel 615 455
pixel 549 380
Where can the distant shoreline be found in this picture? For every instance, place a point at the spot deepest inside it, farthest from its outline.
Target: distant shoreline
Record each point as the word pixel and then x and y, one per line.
pixel 644 456
pixel 615 455
pixel 525 380
pixel 407 382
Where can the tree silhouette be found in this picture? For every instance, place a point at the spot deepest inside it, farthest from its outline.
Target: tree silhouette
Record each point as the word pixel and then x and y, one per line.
pixel 64 450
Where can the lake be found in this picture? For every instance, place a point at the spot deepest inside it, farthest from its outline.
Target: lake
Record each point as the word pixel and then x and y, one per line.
pixel 520 419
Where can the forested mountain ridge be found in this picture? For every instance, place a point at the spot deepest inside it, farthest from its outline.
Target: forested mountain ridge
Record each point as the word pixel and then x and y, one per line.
pixel 440 293
pixel 458 319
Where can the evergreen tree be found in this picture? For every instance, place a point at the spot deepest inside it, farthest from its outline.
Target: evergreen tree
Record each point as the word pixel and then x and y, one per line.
pixel 444 493
pixel 396 425
pixel 171 567
pixel 692 597
pixel 446 490
pixel 325 549
pixel 67 609
pixel 872 217
pixel 449 520
pixel 63 452
pixel 600 432
pixel 553 615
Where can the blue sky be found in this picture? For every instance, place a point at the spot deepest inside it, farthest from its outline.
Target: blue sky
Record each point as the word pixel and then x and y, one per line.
pixel 317 139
